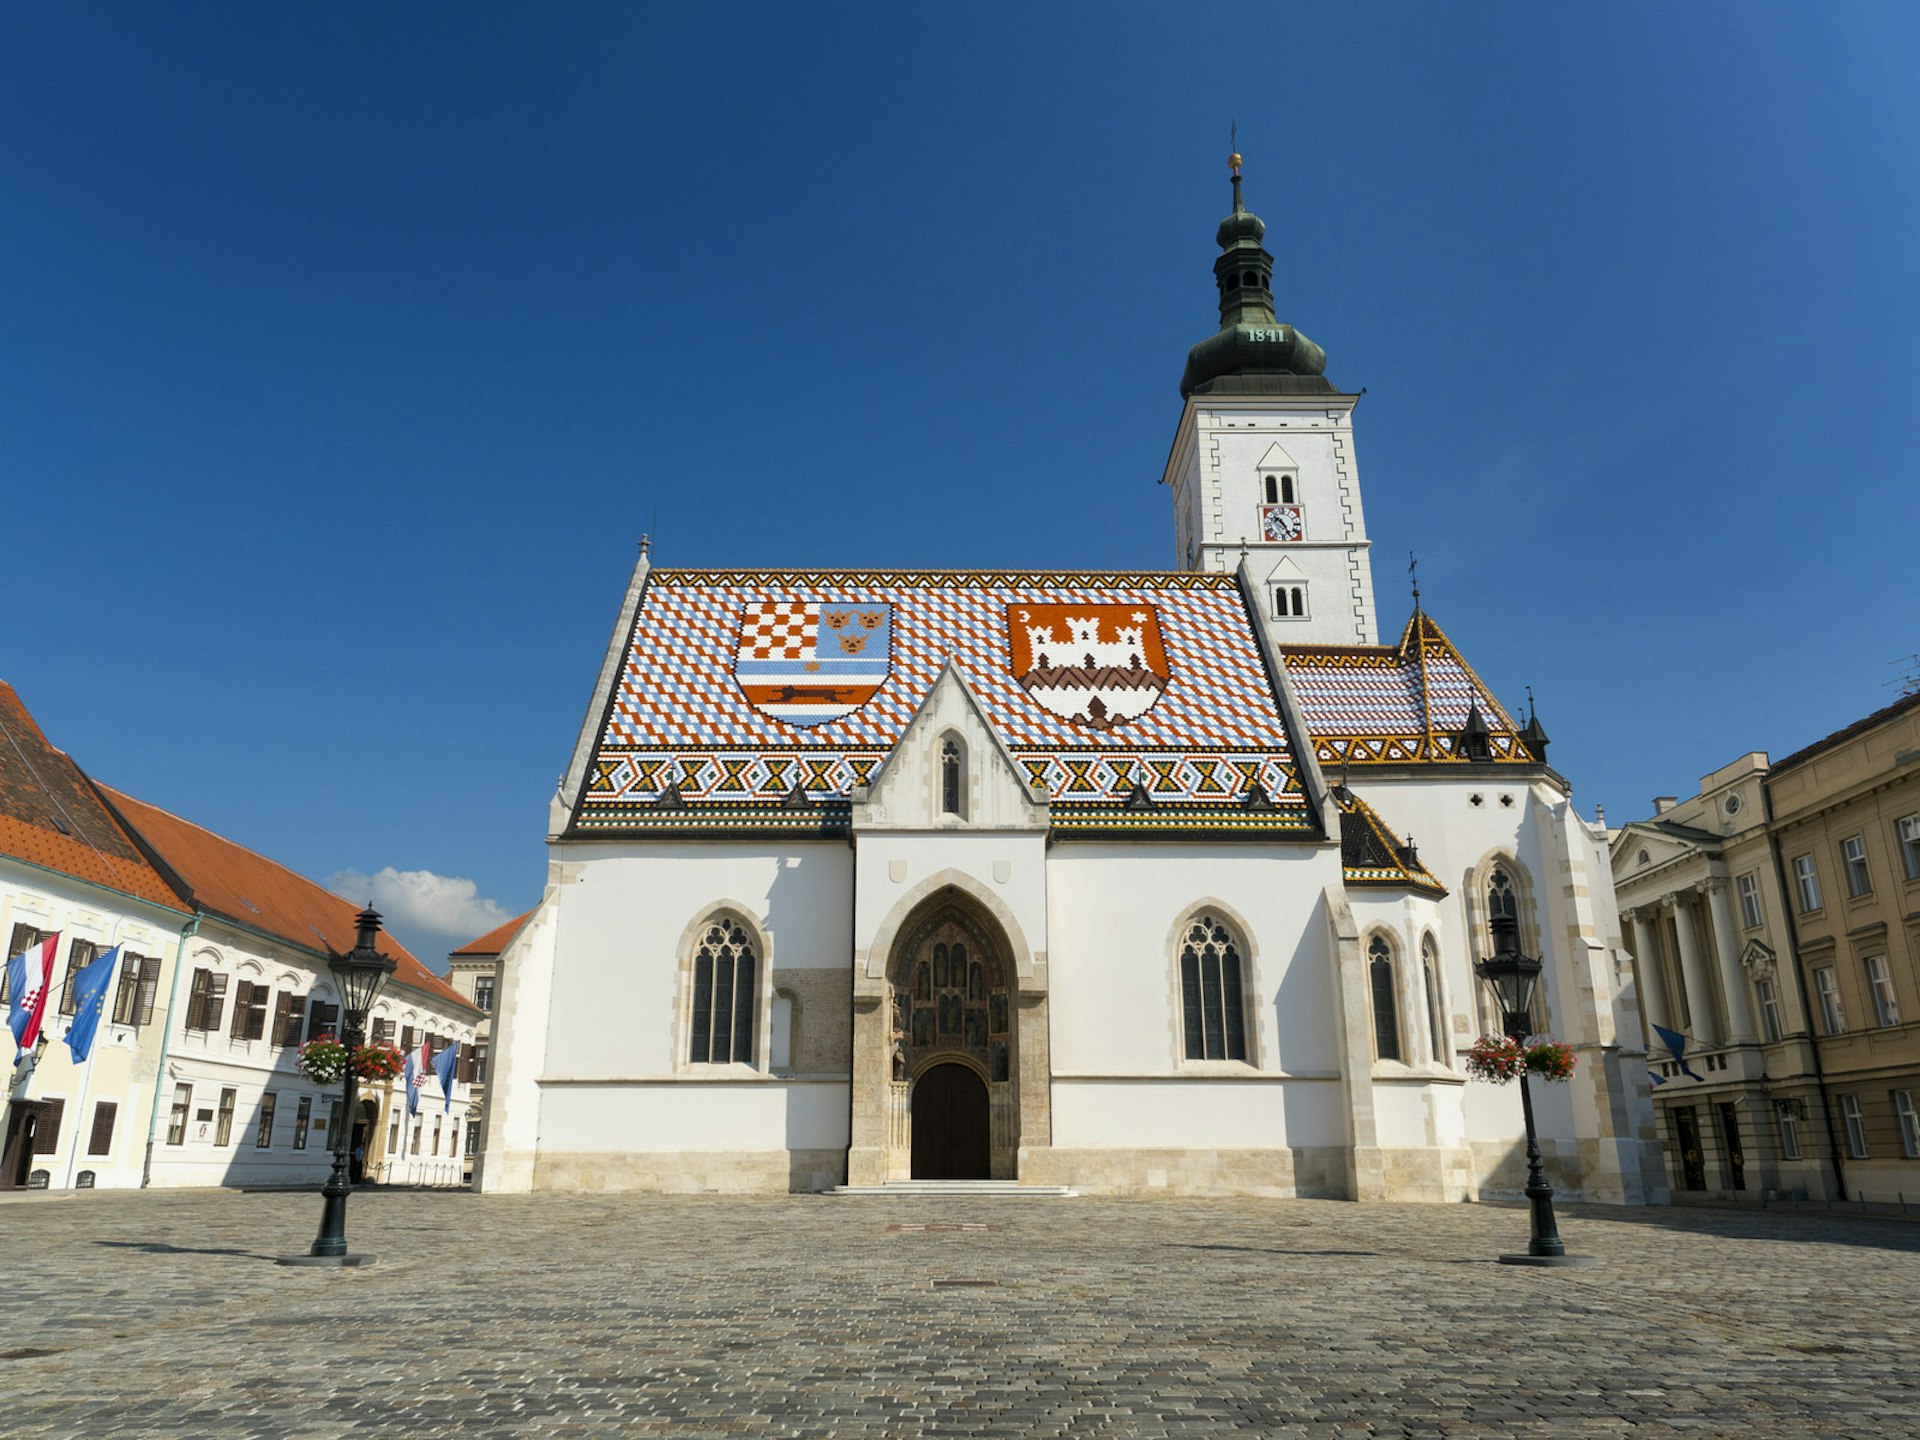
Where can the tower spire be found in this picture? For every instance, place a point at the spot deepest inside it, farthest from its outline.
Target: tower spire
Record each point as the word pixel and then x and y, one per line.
pixel 1253 353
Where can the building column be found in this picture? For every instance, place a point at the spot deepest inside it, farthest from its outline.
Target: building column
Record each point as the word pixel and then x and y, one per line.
pixel 1733 978
pixel 1693 972
pixel 1655 1007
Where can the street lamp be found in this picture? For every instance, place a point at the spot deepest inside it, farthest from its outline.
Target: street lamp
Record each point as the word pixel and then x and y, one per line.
pixel 359 973
pixel 1511 977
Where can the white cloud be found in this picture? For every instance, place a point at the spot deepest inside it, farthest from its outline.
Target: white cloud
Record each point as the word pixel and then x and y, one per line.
pixel 419 900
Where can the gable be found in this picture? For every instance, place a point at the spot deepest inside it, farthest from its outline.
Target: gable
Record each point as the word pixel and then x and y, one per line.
pixel 1277 459
pixel 907 790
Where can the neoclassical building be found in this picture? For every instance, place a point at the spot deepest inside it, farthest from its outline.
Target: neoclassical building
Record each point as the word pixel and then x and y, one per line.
pixel 1093 878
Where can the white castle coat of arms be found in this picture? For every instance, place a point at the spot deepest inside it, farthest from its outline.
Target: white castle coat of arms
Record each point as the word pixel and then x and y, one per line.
pixel 1095 665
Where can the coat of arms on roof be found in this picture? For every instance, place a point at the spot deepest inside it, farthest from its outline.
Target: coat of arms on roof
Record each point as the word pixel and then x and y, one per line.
pixel 1094 665
pixel 808 662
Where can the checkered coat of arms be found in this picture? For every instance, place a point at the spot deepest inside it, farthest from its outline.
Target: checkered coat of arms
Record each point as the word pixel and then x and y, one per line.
pixel 811 661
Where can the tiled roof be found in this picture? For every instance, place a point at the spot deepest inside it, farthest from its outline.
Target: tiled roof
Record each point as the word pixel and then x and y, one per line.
pixel 1841 736
pixel 493 942
pixel 1394 704
pixel 50 815
pixel 763 699
pixel 1370 854
pixel 233 882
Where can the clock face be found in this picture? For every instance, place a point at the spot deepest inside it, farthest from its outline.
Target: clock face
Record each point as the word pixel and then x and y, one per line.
pixel 1281 522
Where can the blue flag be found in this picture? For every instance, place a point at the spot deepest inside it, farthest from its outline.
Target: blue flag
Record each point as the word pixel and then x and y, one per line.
pixel 1677 1043
pixel 1655 1076
pixel 89 999
pixel 412 1073
pixel 443 1064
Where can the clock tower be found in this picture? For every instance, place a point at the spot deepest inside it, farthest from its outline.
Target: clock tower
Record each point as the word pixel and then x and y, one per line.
pixel 1263 465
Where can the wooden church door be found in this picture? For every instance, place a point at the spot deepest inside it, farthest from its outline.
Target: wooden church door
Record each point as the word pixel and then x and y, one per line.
pixel 950 1125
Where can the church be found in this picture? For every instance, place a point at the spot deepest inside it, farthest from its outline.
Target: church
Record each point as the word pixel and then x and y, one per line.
pixel 1094 879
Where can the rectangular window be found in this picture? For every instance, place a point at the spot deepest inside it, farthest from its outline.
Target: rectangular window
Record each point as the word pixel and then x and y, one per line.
pixel 333 1117
pixel 417 1128
pixel 1750 915
pixel 1807 882
pixel 207 1001
pixel 1832 1017
pixel 1909 1119
pixel 223 1125
pixel 1886 1011
pixel 393 1134
pixel 101 1141
pixel 1909 832
pixel 322 1019
pixel 177 1115
pixel 263 1135
pixel 250 1011
pixel 289 1015
pixel 406 1039
pixel 478 1075
pixel 80 954
pixel 302 1118
pixel 483 984
pixel 434 1149
pixel 1856 1126
pixel 126 991
pixel 1789 1135
pixel 1853 860
pixel 383 1032
pixel 473 1137
pixel 46 1139
pixel 1769 1010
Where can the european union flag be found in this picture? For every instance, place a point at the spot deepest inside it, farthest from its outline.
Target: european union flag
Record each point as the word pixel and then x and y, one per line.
pixel 90 988
pixel 1677 1043
pixel 443 1064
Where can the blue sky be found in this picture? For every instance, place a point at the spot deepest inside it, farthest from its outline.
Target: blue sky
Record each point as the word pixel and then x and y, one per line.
pixel 348 349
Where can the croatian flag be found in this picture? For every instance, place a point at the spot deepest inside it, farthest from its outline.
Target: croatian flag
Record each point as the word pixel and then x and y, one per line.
pixel 411 1072
pixel 29 976
pixel 443 1067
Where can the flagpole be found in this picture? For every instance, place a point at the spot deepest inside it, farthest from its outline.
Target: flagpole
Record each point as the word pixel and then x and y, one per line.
pixel 86 1088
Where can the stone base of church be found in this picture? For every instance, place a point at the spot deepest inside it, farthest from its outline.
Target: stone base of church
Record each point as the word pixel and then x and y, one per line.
pixel 693 1172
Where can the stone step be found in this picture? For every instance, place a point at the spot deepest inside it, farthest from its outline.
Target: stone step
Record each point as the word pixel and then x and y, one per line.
pixel 956 1189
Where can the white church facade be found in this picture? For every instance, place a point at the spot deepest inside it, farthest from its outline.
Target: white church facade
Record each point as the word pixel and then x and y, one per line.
pixel 1099 879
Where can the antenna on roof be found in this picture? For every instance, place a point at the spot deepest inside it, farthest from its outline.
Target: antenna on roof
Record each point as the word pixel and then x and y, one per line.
pixel 1909 677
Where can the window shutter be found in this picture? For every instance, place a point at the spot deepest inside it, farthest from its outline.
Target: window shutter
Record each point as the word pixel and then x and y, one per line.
pixel 149 987
pixel 46 1139
pixel 101 1142
pixel 242 998
pixel 215 1002
pixel 406 1038
pixel 126 993
pixel 282 1017
pixel 79 956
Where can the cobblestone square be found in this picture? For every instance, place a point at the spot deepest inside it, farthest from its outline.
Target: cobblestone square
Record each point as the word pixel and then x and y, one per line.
pixel 162 1314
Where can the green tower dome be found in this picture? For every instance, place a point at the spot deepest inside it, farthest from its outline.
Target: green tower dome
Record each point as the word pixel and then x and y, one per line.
pixel 1252 353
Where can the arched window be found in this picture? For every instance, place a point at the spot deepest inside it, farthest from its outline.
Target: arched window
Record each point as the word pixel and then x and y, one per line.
pixel 1436 1019
pixel 953 777
pixel 1273 490
pixel 1210 995
pixel 1233 282
pixel 1386 1010
pixel 1289 602
pixel 1503 899
pixel 1286 489
pixel 724 995
pixel 1500 897
pixel 1252 278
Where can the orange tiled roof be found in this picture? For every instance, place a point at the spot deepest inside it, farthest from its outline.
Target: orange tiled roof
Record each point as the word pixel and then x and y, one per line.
pixel 493 942
pixel 233 882
pixel 50 815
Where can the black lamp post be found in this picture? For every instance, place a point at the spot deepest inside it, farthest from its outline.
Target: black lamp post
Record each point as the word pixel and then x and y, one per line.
pixel 1511 977
pixel 359 973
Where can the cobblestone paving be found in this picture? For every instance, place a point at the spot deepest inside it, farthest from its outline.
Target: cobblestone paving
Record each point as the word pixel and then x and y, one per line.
pixel 574 1316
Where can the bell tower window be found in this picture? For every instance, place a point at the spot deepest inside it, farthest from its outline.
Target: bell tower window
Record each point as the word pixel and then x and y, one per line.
pixel 1289 602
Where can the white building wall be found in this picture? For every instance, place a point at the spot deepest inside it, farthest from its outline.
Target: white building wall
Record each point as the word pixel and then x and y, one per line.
pixel 121 1069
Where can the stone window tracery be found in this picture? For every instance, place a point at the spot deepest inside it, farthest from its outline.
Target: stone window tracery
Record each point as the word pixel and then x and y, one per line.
pixel 1386 1009
pixel 1211 1001
pixel 725 995
pixel 953 777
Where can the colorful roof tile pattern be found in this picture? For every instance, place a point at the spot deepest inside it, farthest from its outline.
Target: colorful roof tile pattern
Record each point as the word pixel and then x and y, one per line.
pixel 1396 704
pixel 1105 687
pixel 1371 855
pixel 50 816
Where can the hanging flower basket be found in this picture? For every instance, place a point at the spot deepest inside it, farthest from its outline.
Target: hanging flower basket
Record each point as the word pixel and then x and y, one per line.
pixel 377 1062
pixel 1498 1059
pixel 323 1060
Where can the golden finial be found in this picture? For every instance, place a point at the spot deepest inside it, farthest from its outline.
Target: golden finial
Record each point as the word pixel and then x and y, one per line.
pixel 1233 144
